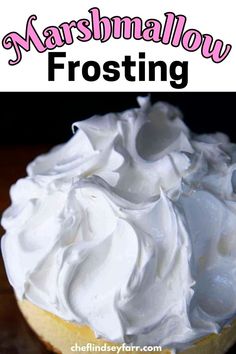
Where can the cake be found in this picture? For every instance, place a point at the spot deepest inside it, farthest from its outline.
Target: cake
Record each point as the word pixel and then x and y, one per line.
pixel 126 234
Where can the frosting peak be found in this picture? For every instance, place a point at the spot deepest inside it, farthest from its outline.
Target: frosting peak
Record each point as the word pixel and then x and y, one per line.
pixel 130 228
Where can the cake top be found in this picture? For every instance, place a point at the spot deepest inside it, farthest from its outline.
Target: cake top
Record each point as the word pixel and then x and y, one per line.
pixel 129 227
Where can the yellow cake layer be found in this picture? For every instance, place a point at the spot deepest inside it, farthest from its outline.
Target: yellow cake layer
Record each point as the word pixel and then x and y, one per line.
pixel 60 335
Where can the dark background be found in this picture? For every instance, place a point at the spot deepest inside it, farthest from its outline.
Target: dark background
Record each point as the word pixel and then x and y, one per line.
pixel 46 118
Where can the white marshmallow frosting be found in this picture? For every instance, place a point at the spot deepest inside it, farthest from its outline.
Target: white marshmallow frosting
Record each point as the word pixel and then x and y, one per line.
pixel 130 227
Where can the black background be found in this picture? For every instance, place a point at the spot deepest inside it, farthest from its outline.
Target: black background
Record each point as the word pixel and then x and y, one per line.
pixel 37 118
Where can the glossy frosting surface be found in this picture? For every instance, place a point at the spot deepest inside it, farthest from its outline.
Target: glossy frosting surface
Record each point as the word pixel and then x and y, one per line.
pixel 129 227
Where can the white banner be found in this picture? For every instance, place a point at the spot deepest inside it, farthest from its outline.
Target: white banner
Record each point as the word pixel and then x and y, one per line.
pixel 117 46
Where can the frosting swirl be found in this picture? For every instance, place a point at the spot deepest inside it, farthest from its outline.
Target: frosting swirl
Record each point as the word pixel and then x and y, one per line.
pixel 130 228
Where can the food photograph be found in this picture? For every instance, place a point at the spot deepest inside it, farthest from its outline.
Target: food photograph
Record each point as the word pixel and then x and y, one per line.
pixel 118 223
